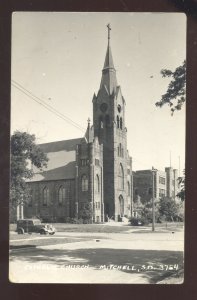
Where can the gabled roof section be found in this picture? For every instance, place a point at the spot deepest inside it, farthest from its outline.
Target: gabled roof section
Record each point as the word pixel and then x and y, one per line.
pixel 67 145
pixel 61 173
pixel 61 163
pixel 119 94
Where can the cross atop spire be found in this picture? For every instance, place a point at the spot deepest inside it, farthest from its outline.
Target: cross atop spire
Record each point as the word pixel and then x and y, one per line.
pixel 109 28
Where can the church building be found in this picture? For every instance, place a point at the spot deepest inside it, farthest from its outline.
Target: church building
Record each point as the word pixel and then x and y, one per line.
pixel 92 171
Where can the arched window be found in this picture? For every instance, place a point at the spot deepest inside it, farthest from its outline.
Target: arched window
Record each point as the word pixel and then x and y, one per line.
pixel 30 200
pixel 120 123
pixel 117 121
pixel 119 149
pixel 61 195
pixel 45 196
pixel 128 189
pixel 84 183
pixel 107 120
pixel 97 184
pixel 101 122
pixel 121 177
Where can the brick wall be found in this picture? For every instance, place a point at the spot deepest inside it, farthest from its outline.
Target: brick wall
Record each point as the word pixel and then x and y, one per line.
pixel 53 210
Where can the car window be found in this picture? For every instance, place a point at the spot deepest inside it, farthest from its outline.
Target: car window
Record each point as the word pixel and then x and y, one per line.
pixel 37 222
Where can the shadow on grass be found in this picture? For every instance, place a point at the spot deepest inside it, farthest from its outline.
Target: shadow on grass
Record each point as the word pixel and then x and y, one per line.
pixel 136 261
pixel 14 247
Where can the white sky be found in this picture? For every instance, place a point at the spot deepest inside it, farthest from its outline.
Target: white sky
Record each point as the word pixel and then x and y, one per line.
pixel 59 58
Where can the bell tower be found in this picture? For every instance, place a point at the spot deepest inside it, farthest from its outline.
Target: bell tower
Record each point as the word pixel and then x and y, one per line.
pixel 109 127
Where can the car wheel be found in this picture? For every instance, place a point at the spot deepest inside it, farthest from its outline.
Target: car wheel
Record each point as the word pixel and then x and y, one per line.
pixel 42 231
pixel 20 231
pixel 52 233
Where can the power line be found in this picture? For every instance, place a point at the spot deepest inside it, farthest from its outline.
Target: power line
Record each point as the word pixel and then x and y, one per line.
pixel 45 105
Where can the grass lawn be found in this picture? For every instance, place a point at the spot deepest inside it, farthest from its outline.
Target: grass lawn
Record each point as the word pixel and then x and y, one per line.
pixel 33 240
pixel 85 228
pixel 103 228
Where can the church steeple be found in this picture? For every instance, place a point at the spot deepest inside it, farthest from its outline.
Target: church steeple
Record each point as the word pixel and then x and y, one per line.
pixel 108 80
pixel 109 128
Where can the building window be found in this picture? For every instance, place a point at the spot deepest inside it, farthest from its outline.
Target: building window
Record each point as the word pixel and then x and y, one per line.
pixel 97 205
pixel 107 120
pixel 128 189
pixel 61 195
pixel 30 200
pixel 162 180
pixel 120 123
pixel 101 122
pixel 84 162
pixel 121 177
pixel 117 121
pixel 161 193
pixel 150 191
pixel 84 183
pixel 120 150
pixel 45 196
pixel 97 162
pixel 97 184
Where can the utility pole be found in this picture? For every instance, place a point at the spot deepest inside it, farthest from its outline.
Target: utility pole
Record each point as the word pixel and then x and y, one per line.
pixel 131 187
pixel 153 198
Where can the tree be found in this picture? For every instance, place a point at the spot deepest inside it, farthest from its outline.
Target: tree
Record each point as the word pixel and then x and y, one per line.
pixel 24 154
pixel 147 212
pixel 168 208
pixel 181 182
pixel 176 91
pixel 86 213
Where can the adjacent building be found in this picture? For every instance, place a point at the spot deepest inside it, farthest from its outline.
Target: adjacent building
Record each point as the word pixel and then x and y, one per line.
pixel 165 184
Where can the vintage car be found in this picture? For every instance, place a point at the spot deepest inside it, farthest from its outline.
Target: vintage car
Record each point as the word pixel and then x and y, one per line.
pixel 34 225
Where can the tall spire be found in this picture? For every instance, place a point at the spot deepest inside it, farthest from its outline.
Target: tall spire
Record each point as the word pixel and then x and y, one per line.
pixel 89 133
pixel 108 79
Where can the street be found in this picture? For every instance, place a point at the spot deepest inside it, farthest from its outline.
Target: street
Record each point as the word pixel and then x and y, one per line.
pixel 134 256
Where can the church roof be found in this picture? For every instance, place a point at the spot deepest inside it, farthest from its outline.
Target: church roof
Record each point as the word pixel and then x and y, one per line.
pixel 67 145
pixel 61 164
